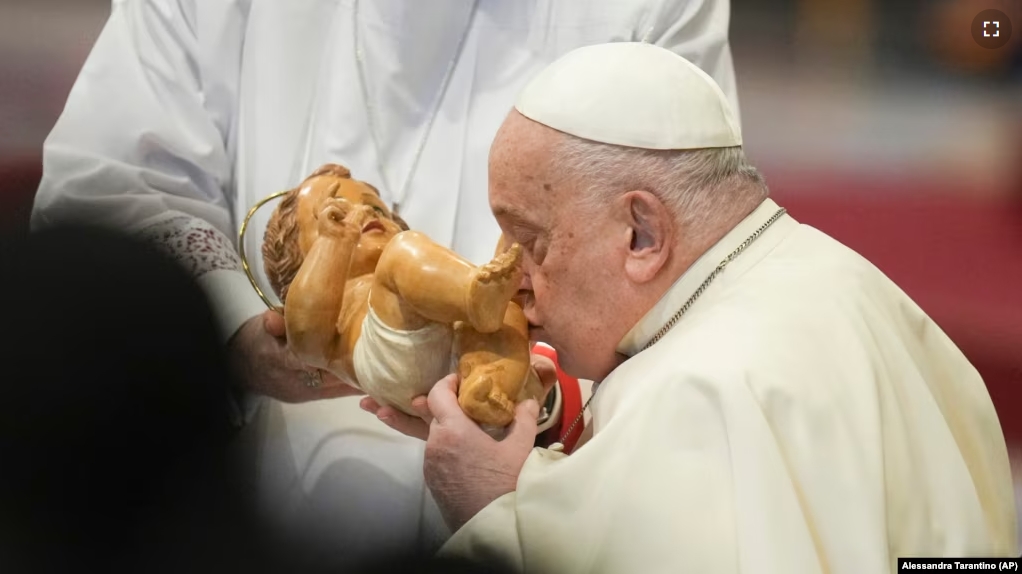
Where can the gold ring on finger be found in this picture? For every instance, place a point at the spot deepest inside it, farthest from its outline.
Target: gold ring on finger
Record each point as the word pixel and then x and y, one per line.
pixel 313 378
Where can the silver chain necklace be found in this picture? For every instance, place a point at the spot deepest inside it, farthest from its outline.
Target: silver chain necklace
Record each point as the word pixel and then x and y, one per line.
pixel 684 308
pixel 398 196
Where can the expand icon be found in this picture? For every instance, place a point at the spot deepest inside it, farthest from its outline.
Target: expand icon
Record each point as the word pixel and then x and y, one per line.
pixel 991 29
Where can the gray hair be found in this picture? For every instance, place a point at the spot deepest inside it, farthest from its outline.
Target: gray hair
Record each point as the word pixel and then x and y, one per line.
pixel 701 187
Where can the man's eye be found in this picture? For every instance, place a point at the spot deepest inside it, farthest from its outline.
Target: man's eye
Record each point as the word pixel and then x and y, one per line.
pixel 523 238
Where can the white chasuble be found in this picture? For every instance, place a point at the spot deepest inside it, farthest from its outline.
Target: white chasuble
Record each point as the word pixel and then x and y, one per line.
pixel 804 416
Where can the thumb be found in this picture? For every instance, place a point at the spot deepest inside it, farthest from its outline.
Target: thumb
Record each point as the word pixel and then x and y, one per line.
pixel 274 324
pixel 523 428
pixel 442 400
pixel 546 371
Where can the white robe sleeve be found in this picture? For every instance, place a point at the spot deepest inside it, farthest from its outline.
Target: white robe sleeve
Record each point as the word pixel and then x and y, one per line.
pixel 658 489
pixel 144 142
pixel 697 30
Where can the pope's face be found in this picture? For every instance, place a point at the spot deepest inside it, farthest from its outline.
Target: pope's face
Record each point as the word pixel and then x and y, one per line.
pixel 569 263
pixel 376 232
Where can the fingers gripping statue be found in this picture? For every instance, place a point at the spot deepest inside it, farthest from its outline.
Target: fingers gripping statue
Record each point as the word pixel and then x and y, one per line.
pixel 389 311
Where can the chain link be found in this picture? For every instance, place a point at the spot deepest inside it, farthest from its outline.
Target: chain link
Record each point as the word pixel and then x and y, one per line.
pixel 717 271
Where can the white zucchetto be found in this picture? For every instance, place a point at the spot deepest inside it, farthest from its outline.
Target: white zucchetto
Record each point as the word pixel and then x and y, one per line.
pixel 631 94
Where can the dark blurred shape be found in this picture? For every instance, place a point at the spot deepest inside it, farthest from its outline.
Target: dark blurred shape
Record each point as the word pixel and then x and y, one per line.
pixel 113 420
pixel 19 178
pixel 114 429
pixel 830 33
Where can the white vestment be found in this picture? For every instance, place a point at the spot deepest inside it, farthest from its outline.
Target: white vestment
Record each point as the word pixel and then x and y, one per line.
pixel 804 416
pixel 187 112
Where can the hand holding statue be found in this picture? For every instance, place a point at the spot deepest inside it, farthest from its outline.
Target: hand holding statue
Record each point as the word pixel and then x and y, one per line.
pixel 266 366
pixel 465 468
pixel 417 425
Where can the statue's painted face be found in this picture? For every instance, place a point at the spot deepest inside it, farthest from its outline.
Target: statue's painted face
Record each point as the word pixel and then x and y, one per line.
pixel 376 232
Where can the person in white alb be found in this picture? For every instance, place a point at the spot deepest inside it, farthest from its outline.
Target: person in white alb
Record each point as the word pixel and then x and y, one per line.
pixel 188 112
pixel 766 401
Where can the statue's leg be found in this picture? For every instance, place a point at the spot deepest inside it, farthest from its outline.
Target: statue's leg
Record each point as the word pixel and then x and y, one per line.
pixel 417 281
pixel 494 369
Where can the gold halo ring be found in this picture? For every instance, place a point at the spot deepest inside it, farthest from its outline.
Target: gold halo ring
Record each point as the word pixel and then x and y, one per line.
pixel 244 259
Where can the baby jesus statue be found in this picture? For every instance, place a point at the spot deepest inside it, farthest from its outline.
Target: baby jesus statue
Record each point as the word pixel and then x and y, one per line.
pixel 389 311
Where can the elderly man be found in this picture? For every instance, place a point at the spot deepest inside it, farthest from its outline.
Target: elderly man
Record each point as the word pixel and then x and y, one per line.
pixel 767 400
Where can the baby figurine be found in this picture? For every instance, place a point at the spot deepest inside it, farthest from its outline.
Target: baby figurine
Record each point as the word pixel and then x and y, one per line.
pixel 389 311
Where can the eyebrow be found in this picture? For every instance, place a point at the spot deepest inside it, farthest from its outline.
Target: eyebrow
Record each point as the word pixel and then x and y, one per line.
pixel 374 197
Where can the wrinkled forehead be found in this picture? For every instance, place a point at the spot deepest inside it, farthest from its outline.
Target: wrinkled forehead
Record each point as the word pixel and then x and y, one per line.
pixel 518 140
pixel 522 166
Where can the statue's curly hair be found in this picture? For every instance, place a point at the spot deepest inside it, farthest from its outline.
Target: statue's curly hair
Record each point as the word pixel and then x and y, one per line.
pixel 282 254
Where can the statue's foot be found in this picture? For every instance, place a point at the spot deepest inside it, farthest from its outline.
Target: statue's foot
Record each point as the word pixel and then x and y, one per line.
pixel 492 287
pixel 482 398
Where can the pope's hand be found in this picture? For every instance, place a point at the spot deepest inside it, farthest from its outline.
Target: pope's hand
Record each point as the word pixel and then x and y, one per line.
pixel 465 469
pixel 414 426
pixel 259 353
pixel 418 426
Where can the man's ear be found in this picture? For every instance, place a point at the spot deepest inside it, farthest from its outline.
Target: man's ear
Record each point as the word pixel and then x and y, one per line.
pixel 652 229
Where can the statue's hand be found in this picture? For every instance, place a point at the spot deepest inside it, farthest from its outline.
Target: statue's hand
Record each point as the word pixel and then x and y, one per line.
pixel 358 216
pixel 331 217
pixel 341 218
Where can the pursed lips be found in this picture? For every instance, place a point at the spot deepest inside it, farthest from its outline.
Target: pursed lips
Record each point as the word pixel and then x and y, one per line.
pixel 374 225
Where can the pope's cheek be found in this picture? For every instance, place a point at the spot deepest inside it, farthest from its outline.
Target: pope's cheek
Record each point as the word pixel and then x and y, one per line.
pixel 547 301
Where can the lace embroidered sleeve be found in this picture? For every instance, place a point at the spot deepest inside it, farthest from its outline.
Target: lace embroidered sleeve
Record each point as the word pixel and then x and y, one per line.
pixel 194 243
